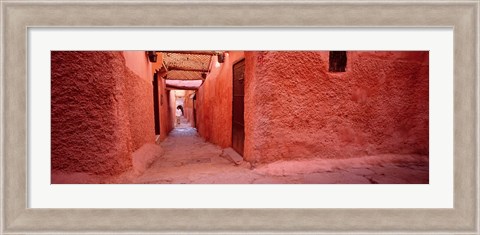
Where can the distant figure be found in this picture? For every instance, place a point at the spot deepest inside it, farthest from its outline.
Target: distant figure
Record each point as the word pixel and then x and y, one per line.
pixel 181 108
pixel 178 113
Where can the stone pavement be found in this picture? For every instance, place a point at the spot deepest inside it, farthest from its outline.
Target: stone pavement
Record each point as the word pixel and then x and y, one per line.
pixel 189 159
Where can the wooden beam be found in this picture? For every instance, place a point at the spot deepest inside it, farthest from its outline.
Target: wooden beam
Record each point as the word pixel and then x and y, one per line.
pixel 161 73
pixel 182 79
pixel 192 52
pixel 170 68
pixel 170 87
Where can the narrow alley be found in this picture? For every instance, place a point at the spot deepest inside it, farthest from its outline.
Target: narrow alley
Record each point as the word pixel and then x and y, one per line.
pixel 234 117
pixel 189 159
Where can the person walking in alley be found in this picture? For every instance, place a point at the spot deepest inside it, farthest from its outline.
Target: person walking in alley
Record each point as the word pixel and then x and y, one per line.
pixel 178 113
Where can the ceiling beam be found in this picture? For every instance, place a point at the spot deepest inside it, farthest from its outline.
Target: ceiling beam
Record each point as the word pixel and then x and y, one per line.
pixel 170 68
pixel 170 87
pixel 192 52
pixel 182 79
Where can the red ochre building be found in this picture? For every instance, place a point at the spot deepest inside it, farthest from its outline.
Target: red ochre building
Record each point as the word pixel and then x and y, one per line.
pixel 267 105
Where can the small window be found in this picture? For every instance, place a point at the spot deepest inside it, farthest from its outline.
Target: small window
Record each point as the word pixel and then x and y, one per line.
pixel 337 61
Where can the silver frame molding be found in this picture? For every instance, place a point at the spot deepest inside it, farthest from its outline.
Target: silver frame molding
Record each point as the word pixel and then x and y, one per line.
pixel 18 15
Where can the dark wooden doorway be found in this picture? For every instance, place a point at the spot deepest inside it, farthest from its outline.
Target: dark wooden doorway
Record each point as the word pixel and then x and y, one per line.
pixel 156 112
pixel 238 124
pixel 194 99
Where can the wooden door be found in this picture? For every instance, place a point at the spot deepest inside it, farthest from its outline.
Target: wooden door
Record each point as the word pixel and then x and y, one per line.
pixel 238 125
pixel 156 111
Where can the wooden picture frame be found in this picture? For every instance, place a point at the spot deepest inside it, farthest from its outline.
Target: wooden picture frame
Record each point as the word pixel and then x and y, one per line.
pixel 18 16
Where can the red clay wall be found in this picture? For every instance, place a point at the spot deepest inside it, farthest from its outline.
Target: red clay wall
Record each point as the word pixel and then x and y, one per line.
pixel 166 118
pixel 214 102
pixel 139 93
pixel 102 110
pixel 171 108
pixel 203 113
pixel 138 63
pixel 188 107
pixel 295 108
pixel 90 129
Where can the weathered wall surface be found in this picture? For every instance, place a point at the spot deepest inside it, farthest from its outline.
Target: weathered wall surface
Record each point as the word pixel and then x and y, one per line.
pixel 295 108
pixel 139 94
pixel 102 110
pixel 203 112
pixel 214 102
pixel 188 107
pixel 171 108
pixel 166 120
pixel 90 129
pixel 138 63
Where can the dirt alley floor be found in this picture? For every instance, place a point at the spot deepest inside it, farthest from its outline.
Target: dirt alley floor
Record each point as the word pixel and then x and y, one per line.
pixel 189 159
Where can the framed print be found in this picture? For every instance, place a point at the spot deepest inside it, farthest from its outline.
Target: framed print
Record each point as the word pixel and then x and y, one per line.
pixel 50 48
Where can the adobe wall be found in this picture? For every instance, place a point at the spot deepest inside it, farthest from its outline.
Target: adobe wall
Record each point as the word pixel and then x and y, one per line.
pixel 203 114
pixel 166 121
pixel 295 108
pixel 102 110
pixel 144 125
pixel 90 129
pixel 214 102
pixel 139 93
pixel 188 107
pixel 138 63
pixel 171 108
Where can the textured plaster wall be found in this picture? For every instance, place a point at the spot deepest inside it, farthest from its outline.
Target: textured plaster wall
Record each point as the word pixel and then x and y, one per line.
pixel 214 102
pixel 295 108
pixel 139 93
pixel 163 94
pixel 166 118
pixel 203 113
pixel 102 110
pixel 172 107
pixel 90 129
pixel 188 107
pixel 138 63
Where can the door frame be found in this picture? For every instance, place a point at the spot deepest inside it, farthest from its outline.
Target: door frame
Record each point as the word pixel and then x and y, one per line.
pixel 233 82
pixel 156 104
